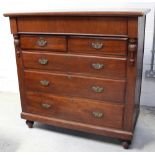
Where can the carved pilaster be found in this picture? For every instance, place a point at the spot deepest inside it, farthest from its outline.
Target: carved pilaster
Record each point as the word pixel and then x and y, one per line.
pixel 17 45
pixel 132 48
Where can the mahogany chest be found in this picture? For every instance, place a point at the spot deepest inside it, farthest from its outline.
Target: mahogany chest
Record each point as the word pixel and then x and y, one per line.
pixel 81 70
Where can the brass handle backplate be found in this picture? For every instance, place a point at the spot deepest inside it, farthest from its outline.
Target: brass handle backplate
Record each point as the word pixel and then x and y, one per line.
pixel 97 114
pixel 97 45
pixel 44 82
pixel 43 61
pixel 97 89
pixel 97 65
pixel 45 105
pixel 41 42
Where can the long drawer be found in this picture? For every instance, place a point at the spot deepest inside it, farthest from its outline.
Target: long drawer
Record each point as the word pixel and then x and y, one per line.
pixel 74 25
pixel 75 109
pixel 73 85
pixel 99 66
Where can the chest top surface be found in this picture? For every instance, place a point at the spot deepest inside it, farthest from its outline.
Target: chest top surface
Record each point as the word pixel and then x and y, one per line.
pixel 105 12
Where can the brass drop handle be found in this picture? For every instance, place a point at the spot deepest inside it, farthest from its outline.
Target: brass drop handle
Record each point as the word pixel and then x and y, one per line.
pixel 97 89
pixel 41 42
pixel 97 66
pixel 97 114
pixel 43 61
pixel 44 82
pixel 45 105
pixel 97 45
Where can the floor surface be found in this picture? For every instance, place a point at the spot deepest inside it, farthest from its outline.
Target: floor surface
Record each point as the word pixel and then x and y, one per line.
pixel 15 136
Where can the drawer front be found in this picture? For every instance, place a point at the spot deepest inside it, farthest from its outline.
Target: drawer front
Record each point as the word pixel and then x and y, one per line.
pixel 99 66
pixel 77 110
pixel 71 85
pixel 98 45
pixel 74 25
pixel 42 42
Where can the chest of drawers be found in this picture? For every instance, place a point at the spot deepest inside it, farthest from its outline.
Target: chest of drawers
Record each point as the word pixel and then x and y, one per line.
pixel 81 70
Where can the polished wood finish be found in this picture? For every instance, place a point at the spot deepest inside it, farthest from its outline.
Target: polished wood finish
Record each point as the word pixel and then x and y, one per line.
pixel 75 85
pixel 74 109
pixel 110 67
pixel 115 46
pixel 87 25
pixel 81 70
pixel 53 43
pixel 128 12
pixel 101 130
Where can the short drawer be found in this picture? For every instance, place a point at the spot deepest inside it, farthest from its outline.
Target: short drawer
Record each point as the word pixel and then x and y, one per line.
pixel 42 42
pixel 75 109
pixel 93 65
pixel 98 45
pixel 73 85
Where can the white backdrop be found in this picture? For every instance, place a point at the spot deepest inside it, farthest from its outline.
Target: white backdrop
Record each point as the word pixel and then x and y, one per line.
pixel 8 74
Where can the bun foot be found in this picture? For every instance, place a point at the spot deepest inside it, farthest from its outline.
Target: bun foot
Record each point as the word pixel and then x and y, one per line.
pixel 126 144
pixel 29 123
